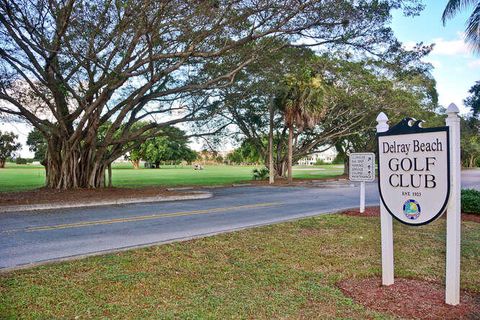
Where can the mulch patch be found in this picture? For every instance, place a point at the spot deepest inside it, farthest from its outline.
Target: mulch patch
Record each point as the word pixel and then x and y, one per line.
pixel 410 298
pixel 44 195
pixel 375 212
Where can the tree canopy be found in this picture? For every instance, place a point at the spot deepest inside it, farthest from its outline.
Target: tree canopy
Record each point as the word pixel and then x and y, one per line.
pixel 8 146
pixel 70 67
pixel 470 129
pixel 38 145
pixel 171 147
pixel 354 92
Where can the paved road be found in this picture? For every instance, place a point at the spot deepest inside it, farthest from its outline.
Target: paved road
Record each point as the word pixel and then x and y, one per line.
pixel 32 237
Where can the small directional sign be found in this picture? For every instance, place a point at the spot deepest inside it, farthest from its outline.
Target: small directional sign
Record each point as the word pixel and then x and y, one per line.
pixel 362 167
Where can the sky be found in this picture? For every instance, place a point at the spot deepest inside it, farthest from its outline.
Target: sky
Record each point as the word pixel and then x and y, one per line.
pixel 456 68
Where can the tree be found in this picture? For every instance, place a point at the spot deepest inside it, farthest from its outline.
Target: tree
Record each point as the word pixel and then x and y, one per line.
pixel 37 144
pixel 7 146
pixel 245 154
pixel 470 145
pixel 473 101
pixel 69 67
pixel 135 156
pixel 472 31
pixel 302 103
pixel 358 90
pixel 470 129
pixel 169 147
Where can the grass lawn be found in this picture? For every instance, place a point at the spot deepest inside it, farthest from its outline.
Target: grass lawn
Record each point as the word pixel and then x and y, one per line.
pixel 281 271
pixel 24 177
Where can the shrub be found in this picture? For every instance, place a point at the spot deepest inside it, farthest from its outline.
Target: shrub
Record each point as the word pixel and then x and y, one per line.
pixel 260 174
pixel 471 201
pixel 339 159
pixel 320 162
pixel 20 160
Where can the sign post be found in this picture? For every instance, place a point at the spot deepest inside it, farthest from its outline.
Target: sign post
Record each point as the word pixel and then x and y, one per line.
pixel 452 277
pixel 386 223
pixel 362 169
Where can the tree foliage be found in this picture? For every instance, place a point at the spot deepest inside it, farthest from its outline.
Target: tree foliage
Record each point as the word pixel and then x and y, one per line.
pixel 354 92
pixel 473 100
pixel 246 153
pixel 170 147
pixel 38 145
pixel 470 129
pixel 8 146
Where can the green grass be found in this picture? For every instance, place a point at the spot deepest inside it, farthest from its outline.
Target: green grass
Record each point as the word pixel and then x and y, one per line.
pixel 281 271
pixel 24 177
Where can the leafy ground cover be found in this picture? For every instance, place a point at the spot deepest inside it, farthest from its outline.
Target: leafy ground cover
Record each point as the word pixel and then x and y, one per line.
pixel 471 201
pixel 289 270
pixel 27 177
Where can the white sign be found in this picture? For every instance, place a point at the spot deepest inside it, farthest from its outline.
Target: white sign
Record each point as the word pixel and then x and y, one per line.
pixel 362 167
pixel 414 174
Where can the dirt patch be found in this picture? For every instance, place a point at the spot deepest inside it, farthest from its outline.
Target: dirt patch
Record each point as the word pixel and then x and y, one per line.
pixel 375 212
pixel 471 217
pixel 43 195
pixel 369 212
pixel 410 298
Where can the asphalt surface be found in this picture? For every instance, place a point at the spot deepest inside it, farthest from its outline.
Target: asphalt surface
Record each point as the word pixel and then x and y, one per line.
pixel 33 237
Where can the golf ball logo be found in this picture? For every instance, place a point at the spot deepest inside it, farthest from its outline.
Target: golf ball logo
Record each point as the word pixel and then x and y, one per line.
pixel 411 209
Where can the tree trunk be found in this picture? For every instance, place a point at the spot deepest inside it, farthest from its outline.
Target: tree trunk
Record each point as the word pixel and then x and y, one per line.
pixel 271 169
pixel 346 165
pixel 109 175
pixel 135 163
pixel 290 154
pixel 74 167
pixel 2 163
pixel 279 167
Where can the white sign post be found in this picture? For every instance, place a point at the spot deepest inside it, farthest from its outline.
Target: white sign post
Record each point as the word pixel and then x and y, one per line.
pixel 362 169
pixel 386 223
pixel 452 277
pixel 419 176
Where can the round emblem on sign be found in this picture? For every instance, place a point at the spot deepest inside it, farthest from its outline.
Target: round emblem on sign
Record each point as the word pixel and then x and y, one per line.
pixel 411 209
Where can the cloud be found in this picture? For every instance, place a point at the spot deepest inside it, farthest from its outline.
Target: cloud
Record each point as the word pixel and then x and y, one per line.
pixel 450 47
pixel 474 63
pixel 443 47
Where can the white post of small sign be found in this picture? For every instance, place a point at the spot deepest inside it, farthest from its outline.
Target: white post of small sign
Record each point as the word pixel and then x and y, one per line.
pixel 386 223
pixel 452 278
pixel 362 197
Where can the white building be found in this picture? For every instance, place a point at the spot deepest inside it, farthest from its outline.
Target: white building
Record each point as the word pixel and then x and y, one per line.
pixel 326 156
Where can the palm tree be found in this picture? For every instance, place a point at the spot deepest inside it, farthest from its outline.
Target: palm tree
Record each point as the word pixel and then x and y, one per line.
pixel 302 102
pixel 472 32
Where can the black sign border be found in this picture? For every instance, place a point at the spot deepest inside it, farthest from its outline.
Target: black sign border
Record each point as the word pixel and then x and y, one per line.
pixel 402 128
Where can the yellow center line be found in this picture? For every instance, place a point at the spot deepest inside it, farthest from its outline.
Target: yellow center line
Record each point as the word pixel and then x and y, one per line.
pixel 149 217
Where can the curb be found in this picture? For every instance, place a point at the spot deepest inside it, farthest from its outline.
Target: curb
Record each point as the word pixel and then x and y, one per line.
pixel 35 207
pixel 242 184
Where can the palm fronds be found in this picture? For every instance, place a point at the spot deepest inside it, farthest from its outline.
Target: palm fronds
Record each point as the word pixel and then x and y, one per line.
pixel 472 32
